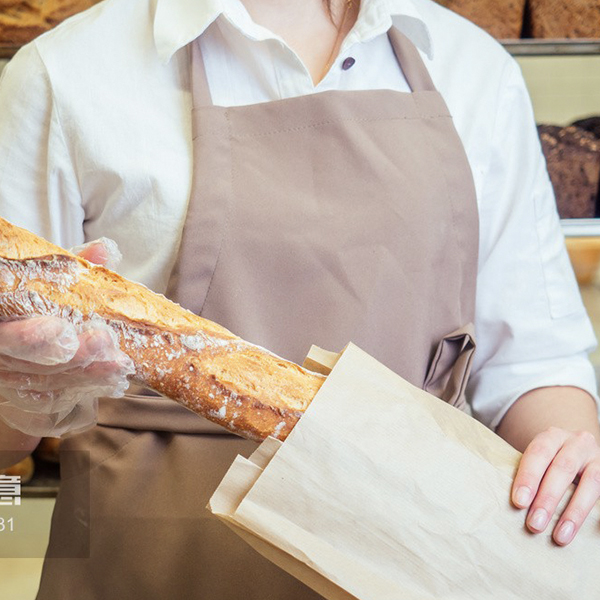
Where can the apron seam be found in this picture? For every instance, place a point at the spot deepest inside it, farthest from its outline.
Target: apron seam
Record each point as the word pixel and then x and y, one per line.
pixel 227 223
pixel 321 124
pixel 456 238
pixel 136 435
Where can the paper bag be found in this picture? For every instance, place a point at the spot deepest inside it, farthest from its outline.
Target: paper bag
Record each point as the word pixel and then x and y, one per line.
pixel 384 492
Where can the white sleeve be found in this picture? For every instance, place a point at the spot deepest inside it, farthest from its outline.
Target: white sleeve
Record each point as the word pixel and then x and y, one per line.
pixel 531 326
pixel 38 184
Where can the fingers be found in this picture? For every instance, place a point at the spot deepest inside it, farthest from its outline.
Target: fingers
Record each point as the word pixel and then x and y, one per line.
pixel 98 367
pixel 96 374
pixel 40 340
pixel 95 252
pixel 49 345
pixel 98 362
pixel 534 463
pixel 75 420
pixel 584 499
pixel 550 464
pixel 49 391
pixel 96 345
pixel 102 251
pixel 52 394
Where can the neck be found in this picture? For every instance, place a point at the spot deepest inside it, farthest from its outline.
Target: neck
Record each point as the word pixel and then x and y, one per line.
pixel 314 29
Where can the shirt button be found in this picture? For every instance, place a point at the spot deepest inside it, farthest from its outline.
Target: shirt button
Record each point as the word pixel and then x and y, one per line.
pixel 348 62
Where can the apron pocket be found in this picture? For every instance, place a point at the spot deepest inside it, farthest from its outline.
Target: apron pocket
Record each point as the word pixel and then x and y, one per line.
pixel 449 371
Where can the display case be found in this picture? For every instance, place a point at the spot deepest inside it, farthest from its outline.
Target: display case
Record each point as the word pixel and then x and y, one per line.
pixel 563 77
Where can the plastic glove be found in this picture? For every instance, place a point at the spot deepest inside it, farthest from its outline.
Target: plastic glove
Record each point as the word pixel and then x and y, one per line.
pixel 51 372
pixel 102 251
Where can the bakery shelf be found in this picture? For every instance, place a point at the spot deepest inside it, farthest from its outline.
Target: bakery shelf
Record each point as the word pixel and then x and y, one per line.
pixel 8 50
pixel 45 481
pixel 581 227
pixel 522 47
pixel 42 491
pixel 547 47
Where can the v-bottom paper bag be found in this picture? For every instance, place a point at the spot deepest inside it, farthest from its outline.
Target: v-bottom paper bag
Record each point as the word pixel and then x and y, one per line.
pixel 384 492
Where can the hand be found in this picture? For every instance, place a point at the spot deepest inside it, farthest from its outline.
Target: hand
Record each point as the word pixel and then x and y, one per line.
pixel 52 372
pixel 553 460
pixel 102 251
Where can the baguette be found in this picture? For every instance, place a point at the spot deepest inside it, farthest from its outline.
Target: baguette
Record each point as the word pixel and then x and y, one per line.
pixel 189 359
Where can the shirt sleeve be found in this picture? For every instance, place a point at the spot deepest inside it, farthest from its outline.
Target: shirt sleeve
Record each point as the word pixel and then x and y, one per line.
pixel 531 326
pixel 38 183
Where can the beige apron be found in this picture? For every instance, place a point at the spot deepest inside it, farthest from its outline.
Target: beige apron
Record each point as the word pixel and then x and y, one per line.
pixel 334 217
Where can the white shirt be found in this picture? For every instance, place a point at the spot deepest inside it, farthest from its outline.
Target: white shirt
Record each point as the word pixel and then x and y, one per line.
pixel 95 140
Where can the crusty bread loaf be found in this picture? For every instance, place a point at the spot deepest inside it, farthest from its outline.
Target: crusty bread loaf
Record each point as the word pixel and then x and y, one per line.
pixel 563 19
pixel 191 360
pixel 573 161
pixel 48 450
pixel 24 470
pixel 501 18
pixel 591 124
pixel 23 20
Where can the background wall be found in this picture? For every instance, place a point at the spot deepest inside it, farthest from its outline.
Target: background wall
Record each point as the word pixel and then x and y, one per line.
pixel 563 88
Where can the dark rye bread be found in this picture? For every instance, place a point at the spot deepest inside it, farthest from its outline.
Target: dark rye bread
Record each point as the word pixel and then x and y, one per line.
pixel 573 160
pixel 558 19
pixel 591 124
pixel 203 366
pixel 501 18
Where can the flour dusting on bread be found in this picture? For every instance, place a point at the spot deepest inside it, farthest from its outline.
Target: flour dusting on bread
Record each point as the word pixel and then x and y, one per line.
pixel 191 360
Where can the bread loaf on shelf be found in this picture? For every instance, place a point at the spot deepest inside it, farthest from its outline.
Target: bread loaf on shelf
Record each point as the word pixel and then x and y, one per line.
pixel 23 20
pixel 558 19
pixel 591 124
pixel 501 18
pixel 201 365
pixel 573 161
pixel 24 470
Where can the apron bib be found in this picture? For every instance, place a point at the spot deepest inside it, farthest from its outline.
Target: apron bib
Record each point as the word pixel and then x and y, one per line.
pixel 334 217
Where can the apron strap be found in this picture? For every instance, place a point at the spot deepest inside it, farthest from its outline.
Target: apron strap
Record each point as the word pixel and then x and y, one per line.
pixel 201 92
pixel 410 62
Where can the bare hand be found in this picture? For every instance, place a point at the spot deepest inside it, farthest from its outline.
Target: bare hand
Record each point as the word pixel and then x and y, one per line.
pixel 554 460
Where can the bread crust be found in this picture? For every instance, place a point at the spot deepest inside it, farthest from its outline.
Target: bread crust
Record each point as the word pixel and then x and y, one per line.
pixel 24 469
pixel 23 20
pixel 194 361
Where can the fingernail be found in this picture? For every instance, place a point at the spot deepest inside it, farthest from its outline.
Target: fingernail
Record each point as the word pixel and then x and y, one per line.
pixel 538 519
pixel 522 496
pixel 565 532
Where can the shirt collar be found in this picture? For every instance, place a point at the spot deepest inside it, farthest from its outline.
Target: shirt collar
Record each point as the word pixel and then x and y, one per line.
pixel 178 22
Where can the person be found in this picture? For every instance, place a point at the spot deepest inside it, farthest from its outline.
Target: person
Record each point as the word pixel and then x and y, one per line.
pixel 299 172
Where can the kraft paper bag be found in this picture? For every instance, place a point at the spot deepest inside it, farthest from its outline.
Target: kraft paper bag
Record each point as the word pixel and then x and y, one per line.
pixel 384 492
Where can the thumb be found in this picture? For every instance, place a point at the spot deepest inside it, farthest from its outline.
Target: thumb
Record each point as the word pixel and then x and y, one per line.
pixel 102 251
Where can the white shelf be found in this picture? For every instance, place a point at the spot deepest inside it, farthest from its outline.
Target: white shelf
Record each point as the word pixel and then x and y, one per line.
pixel 543 47
pixel 517 47
pixel 581 227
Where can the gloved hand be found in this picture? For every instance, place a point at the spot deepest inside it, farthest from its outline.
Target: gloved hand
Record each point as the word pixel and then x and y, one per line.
pixel 52 372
